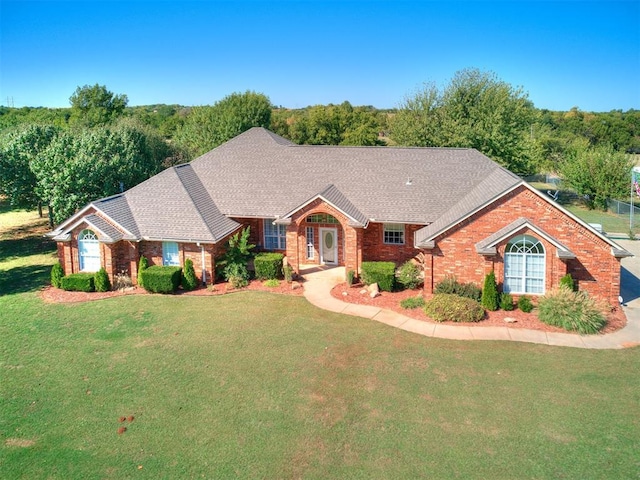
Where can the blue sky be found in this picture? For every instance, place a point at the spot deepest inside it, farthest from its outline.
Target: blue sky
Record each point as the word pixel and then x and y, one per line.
pixel 564 54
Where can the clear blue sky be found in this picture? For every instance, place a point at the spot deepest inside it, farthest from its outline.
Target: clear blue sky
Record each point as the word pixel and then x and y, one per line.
pixel 564 54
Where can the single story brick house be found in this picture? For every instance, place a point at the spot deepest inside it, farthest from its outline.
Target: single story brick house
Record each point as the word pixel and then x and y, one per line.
pixel 454 209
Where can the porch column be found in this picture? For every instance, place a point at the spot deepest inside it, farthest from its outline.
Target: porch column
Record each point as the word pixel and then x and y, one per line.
pixel 293 247
pixel 428 273
pixel 352 249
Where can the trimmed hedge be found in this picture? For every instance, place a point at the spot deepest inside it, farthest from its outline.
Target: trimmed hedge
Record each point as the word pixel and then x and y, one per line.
pixel 57 273
pixel 382 273
pixel 449 307
pixel 159 279
pixel 102 281
pixel 79 282
pixel 189 279
pixel 268 266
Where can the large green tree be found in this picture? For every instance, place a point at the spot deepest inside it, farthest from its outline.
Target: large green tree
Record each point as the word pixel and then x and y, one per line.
pixel 19 148
pixel 95 105
pixel 207 127
pixel 475 110
pixel 597 173
pixel 79 166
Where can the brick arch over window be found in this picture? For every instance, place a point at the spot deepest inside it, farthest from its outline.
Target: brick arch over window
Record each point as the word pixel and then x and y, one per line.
pixel 524 266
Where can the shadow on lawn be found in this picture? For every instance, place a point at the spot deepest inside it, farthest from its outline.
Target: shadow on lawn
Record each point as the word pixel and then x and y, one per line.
pixel 24 279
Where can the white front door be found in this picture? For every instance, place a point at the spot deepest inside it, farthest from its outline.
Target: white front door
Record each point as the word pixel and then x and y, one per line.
pixel 329 246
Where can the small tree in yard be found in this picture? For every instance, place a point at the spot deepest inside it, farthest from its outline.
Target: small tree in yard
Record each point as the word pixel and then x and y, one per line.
pixel 490 292
pixel 234 261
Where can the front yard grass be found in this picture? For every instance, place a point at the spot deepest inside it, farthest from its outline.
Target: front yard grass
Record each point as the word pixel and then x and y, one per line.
pixel 255 385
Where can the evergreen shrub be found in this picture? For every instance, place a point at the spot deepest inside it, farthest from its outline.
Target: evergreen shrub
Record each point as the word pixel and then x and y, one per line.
pixel 382 273
pixel 101 280
pixel 56 275
pixel 189 279
pixel 450 307
pixel 161 279
pixel 268 265
pixel 490 292
pixel 79 282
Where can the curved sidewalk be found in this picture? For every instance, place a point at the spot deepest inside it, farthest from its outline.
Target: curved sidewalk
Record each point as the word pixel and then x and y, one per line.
pixel 317 290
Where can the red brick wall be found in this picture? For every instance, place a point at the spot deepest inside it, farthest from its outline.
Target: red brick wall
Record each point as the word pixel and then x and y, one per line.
pixel 595 270
pixel 153 252
pixel 375 250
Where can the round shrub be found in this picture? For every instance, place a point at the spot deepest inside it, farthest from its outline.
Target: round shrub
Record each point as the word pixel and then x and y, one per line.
pixel 102 281
pixel 525 305
pixel 189 279
pixel 573 311
pixel 449 307
pixel 56 275
pixel 506 302
pixel 451 285
pixel 382 273
pixel 268 265
pixel 409 275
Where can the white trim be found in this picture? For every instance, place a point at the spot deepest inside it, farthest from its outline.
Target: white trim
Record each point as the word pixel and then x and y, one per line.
pixel 310 243
pixel 279 235
pixel 537 230
pixel 335 245
pixel 523 277
pixel 404 233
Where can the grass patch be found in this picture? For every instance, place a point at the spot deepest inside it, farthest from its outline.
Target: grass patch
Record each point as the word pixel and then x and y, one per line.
pixel 254 385
pixel 611 223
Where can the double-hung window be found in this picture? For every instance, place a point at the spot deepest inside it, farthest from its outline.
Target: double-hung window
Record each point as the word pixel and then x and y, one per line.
pixel 310 245
pixel 394 233
pixel 275 236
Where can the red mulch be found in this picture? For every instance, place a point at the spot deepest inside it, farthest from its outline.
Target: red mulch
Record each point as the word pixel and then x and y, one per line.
pixel 391 301
pixel 56 295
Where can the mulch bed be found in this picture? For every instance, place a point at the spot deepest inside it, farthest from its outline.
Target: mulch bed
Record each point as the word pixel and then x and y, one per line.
pixel 56 295
pixel 391 301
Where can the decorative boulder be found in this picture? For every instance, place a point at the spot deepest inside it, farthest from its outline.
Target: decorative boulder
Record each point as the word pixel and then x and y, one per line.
pixel 374 290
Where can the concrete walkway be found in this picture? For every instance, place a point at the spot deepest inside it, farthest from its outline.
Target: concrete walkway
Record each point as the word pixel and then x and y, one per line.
pixel 320 280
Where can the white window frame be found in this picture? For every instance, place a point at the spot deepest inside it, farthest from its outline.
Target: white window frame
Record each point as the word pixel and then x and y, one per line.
pixel 390 231
pixel 275 236
pixel 89 257
pixel 524 253
pixel 170 254
pixel 311 253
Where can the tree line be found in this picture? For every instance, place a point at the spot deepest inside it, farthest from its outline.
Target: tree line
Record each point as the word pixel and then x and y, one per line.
pixel 65 157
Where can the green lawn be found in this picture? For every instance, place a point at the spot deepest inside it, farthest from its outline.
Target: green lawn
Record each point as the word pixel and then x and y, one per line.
pixel 256 385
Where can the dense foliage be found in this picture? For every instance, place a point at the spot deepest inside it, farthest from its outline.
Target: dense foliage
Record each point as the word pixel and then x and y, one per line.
pixel 490 297
pixel 451 285
pixel 189 279
pixel 78 282
pixel 101 280
pixel 524 304
pixel 573 311
pixel 161 279
pixel 382 273
pixel 446 307
pixel 268 266
pixel 409 275
pixel 56 275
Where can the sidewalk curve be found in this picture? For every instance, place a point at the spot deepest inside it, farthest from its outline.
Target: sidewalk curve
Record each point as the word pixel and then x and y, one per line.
pixel 317 290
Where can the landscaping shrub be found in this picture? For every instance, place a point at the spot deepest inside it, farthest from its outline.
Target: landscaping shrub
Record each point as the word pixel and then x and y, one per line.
pixel 412 302
pixel 351 277
pixel 268 265
pixel 287 271
pixel 101 280
pixel 567 282
pixel 78 282
pixel 159 279
pixel 382 273
pixel 573 311
pixel 189 279
pixel 409 275
pixel 490 292
pixel 525 305
pixel 451 285
pixel 56 275
pixel 450 307
pixel 506 302
pixel 237 275
pixel 272 282
pixel 143 264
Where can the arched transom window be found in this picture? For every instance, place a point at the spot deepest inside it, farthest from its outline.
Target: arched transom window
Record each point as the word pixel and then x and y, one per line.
pixel 88 251
pixel 524 265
